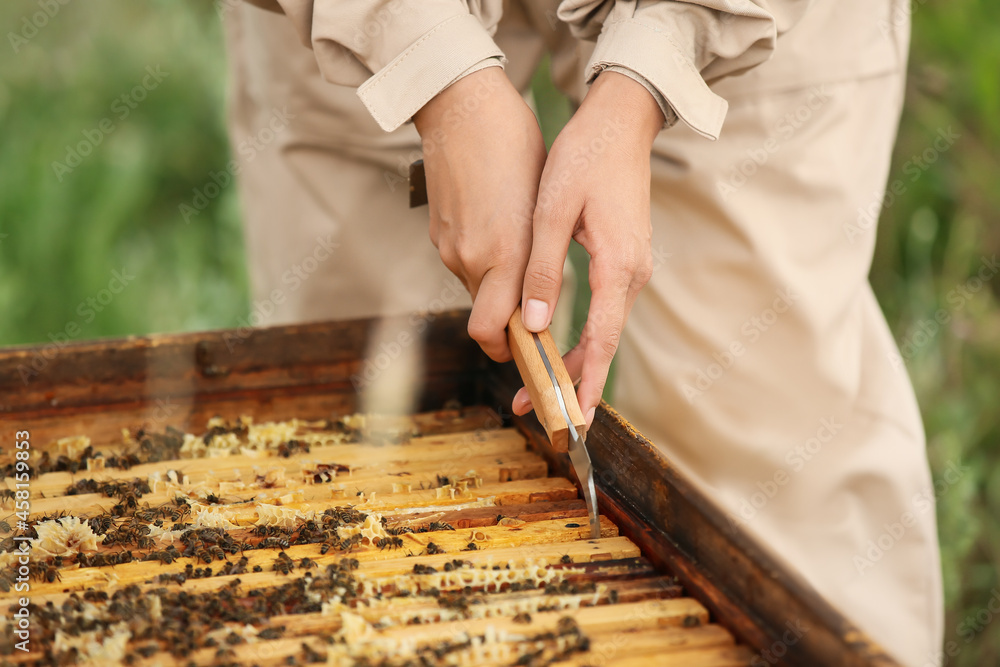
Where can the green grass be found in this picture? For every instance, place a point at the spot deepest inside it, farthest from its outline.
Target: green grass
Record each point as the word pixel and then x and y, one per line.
pixel 932 241
pixel 60 241
pixel 67 232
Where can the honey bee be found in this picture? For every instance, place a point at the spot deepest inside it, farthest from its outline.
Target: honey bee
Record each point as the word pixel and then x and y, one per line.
pixel 691 621
pixel 384 543
pixel 100 524
pixel 283 563
pixel 165 557
pixel 287 449
pixel 147 650
pixel 271 633
pixel 435 526
pixel 274 543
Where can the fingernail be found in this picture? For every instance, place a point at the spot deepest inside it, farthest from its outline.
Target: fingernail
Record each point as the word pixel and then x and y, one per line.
pixel 534 314
pixel 590 417
pixel 521 405
pixel 521 397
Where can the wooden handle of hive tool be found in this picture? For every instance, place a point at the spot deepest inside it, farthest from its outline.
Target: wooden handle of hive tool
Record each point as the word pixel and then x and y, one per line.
pixel 536 379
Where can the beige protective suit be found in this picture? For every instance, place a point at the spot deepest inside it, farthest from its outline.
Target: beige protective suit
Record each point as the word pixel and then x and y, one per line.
pixel 757 357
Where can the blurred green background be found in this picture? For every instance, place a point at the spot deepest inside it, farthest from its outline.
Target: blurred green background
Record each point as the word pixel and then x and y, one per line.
pixel 62 235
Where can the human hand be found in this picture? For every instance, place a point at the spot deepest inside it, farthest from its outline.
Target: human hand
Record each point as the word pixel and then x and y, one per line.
pixel 595 189
pixel 483 157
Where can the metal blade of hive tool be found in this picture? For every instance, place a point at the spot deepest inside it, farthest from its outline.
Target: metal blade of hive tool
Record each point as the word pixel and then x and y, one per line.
pixel 578 455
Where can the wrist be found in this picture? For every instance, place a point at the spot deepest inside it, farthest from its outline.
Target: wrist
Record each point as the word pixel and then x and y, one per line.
pixel 460 99
pixel 621 97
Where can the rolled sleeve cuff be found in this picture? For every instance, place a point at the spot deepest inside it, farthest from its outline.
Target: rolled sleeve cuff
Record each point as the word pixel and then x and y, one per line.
pixel 453 48
pixel 669 117
pixel 482 64
pixel 654 55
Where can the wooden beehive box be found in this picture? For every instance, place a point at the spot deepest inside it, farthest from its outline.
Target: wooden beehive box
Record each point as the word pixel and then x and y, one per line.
pixel 726 588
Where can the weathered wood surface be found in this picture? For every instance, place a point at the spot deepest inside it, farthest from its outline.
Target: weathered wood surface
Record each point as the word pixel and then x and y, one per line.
pixel 309 371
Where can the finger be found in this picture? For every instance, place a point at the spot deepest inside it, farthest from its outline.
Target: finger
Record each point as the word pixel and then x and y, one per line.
pixel 495 301
pixel 449 257
pixel 521 405
pixel 552 228
pixel 574 359
pixel 609 304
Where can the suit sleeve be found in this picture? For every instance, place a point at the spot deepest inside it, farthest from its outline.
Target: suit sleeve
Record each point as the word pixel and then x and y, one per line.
pixel 398 53
pixel 679 47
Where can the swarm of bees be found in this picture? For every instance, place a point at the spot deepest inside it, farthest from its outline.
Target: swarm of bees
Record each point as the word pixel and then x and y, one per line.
pixel 151 448
pixel 153 548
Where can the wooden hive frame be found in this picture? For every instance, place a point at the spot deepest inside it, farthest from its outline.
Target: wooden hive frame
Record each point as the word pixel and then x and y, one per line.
pixel 306 371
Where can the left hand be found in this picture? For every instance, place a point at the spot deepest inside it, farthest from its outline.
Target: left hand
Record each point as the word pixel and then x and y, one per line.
pixel 595 189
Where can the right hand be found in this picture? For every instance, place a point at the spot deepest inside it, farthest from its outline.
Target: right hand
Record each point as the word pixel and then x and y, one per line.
pixel 595 189
pixel 483 158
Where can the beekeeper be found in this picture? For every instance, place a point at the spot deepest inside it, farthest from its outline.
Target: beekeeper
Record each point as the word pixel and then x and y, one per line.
pixel 720 169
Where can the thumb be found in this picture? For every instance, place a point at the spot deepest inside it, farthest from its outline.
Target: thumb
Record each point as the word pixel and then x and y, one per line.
pixel 543 276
